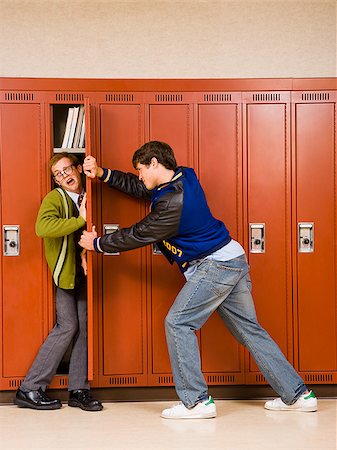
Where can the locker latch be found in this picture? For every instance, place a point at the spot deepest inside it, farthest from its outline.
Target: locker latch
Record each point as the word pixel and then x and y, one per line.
pixel 305 237
pixel 11 234
pixel 256 232
pixel 109 228
pixel 156 250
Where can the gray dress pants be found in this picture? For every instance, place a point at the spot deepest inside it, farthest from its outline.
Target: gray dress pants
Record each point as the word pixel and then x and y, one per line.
pixel 71 324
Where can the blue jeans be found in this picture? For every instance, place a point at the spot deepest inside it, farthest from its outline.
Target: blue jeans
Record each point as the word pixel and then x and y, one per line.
pixel 225 287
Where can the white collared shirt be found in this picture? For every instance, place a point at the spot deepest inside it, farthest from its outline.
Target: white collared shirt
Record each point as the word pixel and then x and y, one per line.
pixel 229 251
pixel 74 196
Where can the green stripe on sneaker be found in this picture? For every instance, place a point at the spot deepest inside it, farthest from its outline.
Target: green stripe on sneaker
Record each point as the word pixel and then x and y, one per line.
pixel 210 401
pixel 310 395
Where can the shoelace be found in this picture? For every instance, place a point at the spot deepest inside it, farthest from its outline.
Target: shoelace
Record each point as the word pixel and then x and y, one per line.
pixel 85 396
pixel 43 395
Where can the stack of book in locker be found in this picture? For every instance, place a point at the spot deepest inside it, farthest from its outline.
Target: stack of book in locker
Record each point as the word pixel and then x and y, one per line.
pixel 74 135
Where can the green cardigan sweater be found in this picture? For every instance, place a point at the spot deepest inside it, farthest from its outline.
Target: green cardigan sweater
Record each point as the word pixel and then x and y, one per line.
pixel 56 223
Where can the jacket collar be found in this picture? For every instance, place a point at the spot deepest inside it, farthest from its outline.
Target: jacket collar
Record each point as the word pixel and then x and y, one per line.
pixel 177 175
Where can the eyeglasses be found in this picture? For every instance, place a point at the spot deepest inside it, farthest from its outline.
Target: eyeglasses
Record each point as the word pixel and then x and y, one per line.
pixel 58 176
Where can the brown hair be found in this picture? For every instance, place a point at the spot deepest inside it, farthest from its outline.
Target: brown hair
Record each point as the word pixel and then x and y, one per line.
pixel 155 149
pixel 56 158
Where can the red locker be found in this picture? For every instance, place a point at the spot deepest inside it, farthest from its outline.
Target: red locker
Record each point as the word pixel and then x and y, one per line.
pixel 171 124
pixel 123 349
pixel 23 276
pixel 314 216
pixel 220 173
pixel 267 205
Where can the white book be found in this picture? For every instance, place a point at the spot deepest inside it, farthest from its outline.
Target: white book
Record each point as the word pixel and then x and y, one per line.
pixel 82 135
pixel 78 127
pixel 73 127
pixel 67 128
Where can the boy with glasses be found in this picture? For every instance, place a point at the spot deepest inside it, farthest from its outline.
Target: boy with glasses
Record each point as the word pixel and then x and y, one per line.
pixel 60 221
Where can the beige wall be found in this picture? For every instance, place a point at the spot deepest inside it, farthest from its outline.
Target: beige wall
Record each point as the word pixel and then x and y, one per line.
pixel 168 39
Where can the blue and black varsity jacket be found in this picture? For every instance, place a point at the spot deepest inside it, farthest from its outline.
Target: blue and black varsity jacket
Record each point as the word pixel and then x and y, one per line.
pixel 180 221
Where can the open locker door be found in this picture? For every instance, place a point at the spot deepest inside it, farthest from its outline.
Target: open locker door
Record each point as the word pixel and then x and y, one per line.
pixel 90 290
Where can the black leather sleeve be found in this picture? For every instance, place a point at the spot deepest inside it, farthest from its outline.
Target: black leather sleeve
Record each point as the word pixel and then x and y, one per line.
pixel 129 183
pixel 162 223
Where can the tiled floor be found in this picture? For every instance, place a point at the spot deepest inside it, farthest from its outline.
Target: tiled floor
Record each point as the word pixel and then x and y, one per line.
pixel 240 425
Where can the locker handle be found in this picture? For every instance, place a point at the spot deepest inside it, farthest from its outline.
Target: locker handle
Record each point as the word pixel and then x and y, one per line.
pixel 305 237
pixel 257 238
pixel 109 228
pixel 155 250
pixel 11 236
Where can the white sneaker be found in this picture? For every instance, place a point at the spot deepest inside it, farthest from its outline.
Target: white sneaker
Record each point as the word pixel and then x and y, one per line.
pixel 202 410
pixel 306 403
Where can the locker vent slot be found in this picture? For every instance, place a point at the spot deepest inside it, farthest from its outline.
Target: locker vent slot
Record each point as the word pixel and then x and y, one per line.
pixel 16 383
pixel 271 97
pixel 69 97
pixel 217 97
pixel 165 380
pixel 260 379
pixel 119 98
pixel 220 379
pixel 123 381
pixel 168 97
pixel 319 377
pixel 19 96
pixel 315 96
pixel 62 382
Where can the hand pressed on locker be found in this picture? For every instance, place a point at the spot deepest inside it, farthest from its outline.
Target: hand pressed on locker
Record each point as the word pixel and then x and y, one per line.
pixel 87 238
pixel 91 168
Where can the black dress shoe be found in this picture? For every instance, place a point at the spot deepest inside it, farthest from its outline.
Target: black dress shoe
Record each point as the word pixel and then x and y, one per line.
pixel 35 400
pixel 81 398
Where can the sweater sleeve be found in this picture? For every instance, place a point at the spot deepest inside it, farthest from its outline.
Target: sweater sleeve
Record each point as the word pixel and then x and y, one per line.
pixel 50 222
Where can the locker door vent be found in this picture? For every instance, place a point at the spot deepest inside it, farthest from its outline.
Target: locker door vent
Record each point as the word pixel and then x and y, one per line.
pixel 120 98
pixel 15 383
pixel 220 379
pixel 319 377
pixel 69 97
pixel 316 96
pixel 165 380
pixel 19 96
pixel 270 97
pixel 260 379
pixel 63 382
pixel 168 97
pixel 217 98
pixel 123 381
